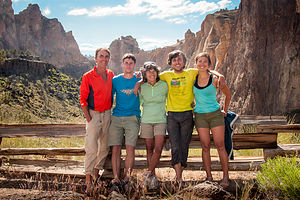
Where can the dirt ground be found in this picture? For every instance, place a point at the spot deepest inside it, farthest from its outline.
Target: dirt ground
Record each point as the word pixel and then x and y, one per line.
pixel 15 188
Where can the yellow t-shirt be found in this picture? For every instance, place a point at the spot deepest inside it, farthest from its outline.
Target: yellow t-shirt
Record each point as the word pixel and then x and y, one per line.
pixel 180 95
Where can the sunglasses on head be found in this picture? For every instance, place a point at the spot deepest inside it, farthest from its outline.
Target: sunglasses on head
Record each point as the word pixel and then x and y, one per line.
pixel 149 65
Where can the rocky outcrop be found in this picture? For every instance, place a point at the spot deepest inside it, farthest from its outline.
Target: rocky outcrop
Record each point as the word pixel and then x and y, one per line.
pixel 118 48
pixel 8 38
pixel 256 47
pixel 263 63
pixel 213 37
pixel 17 66
pixel 45 38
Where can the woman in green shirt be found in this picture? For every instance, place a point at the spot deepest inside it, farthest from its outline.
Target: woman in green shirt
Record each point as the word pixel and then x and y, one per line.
pixel 153 97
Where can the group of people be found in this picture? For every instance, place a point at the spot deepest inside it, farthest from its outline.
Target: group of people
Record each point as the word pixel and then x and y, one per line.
pixel 169 101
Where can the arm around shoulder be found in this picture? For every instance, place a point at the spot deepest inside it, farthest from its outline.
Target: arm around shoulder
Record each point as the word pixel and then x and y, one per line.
pixel 221 79
pixel 137 86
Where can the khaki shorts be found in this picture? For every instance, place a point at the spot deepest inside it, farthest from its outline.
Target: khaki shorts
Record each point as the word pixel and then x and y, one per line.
pixel 120 126
pixel 149 130
pixel 209 120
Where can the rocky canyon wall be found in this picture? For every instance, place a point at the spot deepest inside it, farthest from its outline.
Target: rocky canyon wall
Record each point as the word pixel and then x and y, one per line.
pixel 256 47
pixel 262 65
pixel 45 38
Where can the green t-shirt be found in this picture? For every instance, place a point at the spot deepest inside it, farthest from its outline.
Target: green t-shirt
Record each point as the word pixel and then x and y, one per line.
pixel 180 96
pixel 153 102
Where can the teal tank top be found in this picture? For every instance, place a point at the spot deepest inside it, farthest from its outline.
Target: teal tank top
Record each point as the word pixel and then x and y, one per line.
pixel 205 97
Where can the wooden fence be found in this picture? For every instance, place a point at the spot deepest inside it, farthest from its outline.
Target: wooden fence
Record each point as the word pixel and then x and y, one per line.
pixel 251 132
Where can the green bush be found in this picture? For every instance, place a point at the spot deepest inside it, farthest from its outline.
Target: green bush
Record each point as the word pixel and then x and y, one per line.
pixel 280 178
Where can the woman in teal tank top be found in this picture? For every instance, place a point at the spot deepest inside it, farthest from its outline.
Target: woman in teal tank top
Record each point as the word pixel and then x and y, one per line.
pixel 209 116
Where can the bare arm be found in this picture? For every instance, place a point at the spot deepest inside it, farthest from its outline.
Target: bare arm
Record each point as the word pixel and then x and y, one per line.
pixel 86 113
pixel 221 79
pixel 227 93
pixel 137 86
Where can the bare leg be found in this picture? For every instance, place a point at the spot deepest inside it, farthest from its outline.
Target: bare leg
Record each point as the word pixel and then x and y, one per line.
pixel 96 173
pixel 178 171
pixel 129 162
pixel 218 134
pixel 116 161
pixel 149 147
pixel 159 142
pixel 88 179
pixel 205 144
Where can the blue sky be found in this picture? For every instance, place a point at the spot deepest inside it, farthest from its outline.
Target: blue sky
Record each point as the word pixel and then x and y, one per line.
pixel 154 23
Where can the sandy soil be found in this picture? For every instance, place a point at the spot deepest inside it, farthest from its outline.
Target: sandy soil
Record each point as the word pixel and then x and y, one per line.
pixel 164 175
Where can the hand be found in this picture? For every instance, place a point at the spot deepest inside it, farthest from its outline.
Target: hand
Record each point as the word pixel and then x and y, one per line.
pixel 137 87
pixel 224 113
pixel 88 119
pixel 138 74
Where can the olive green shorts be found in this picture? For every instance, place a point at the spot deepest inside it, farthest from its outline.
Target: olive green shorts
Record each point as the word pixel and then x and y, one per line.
pixel 209 120
pixel 124 126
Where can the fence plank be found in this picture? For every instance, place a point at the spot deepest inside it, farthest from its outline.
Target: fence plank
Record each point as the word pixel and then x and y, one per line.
pixel 42 130
pixel 288 128
pixel 282 150
pixel 78 130
pixel 240 141
pixel 244 141
pixel 43 151
pixel 253 119
pixel 193 164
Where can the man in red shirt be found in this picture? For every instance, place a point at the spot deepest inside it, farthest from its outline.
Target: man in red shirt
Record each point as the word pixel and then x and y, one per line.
pixel 95 100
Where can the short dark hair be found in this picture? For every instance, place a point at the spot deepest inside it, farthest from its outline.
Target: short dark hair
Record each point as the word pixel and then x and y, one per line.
pixel 100 49
pixel 148 66
pixel 175 54
pixel 203 54
pixel 129 56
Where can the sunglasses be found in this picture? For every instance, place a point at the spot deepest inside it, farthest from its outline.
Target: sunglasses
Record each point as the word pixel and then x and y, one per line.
pixel 150 65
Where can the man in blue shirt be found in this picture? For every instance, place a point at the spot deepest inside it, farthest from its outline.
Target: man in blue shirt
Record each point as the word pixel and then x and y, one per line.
pixel 125 120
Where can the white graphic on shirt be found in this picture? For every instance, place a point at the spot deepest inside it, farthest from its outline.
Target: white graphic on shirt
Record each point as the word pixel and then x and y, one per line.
pixel 127 91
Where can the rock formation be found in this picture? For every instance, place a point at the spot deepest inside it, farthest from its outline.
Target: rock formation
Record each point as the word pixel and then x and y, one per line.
pixel 262 66
pixel 8 38
pixel 17 66
pixel 256 47
pixel 45 38
pixel 118 48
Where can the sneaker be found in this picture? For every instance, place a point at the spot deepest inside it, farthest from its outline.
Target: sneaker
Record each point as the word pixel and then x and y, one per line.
pixel 209 179
pixel 153 183
pixel 147 180
pixel 150 181
pixel 126 186
pixel 89 189
pixel 225 183
pixel 116 186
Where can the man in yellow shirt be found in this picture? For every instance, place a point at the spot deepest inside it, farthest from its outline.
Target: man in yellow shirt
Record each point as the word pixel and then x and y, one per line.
pixel 180 111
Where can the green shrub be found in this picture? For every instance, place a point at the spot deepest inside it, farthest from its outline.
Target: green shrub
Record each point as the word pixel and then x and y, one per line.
pixel 280 178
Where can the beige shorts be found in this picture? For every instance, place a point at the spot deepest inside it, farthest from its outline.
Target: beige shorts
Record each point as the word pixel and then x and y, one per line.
pixel 149 130
pixel 209 120
pixel 128 126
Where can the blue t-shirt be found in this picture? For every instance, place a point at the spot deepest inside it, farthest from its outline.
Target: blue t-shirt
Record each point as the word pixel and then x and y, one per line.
pixel 127 103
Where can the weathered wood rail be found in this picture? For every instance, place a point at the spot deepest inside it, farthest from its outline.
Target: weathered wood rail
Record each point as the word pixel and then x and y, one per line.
pixel 262 134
